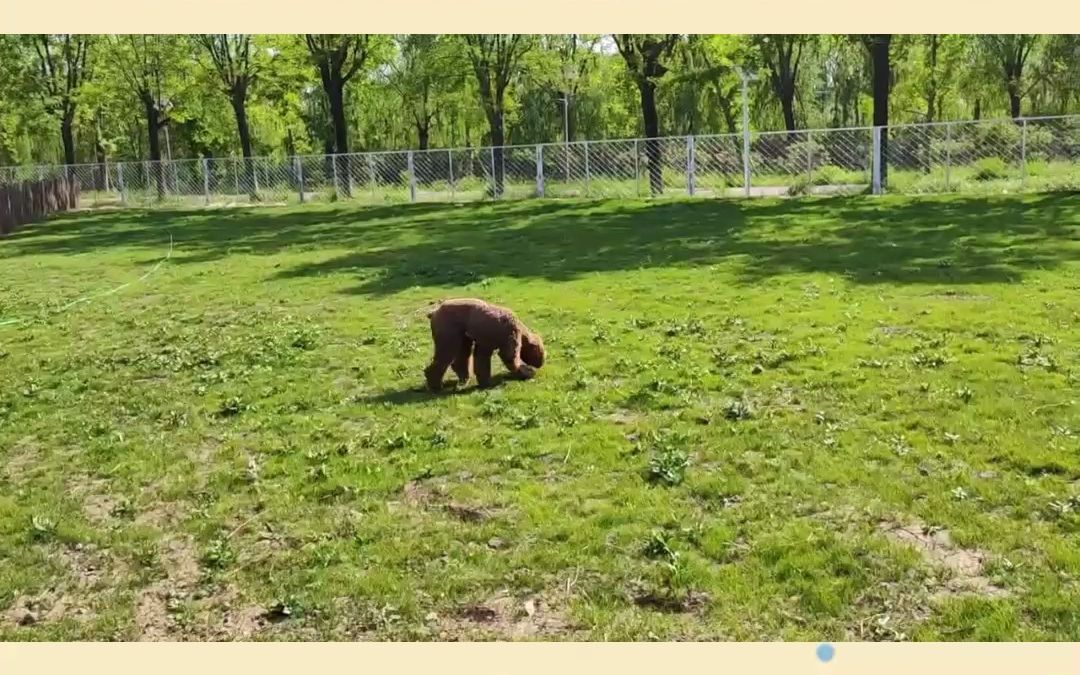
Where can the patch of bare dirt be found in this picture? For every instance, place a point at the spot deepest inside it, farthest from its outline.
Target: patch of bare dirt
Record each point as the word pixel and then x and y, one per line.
pixel 690 602
pixel 886 612
pixel 205 451
pixel 936 546
pixel 784 399
pixel 958 295
pixel 225 616
pixel 20 459
pixel 98 506
pixel 621 417
pixel 894 330
pixel 52 604
pixel 88 566
pixel 161 516
pixel 466 513
pixel 419 495
pixel 88 574
pixel 153 605
pixel 504 617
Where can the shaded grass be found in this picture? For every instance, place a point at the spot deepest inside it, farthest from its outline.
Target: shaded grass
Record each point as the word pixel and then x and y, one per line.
pixel 737 394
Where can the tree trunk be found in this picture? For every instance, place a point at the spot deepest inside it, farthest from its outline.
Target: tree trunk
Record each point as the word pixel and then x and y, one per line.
pixel 498 139
pixel 68 136
pixel 423 134
pixel 1014 102
pixel 244 130
pixel 101 180
pixel 337 117
pixel 336 94
pixel 653 152
pixel 787 105
pixel 879 56
pixel 153 132
pixel 977 113
pixel 153 129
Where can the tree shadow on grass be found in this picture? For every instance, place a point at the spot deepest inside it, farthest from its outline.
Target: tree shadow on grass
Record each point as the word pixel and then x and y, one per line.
pixel 931 240
pixel 957 241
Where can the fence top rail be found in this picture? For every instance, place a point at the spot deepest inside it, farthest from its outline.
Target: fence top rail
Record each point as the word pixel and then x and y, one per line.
pixel 286 160
pixel 992 121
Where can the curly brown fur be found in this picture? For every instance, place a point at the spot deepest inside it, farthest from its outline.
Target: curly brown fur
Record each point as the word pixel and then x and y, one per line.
pixel 468 331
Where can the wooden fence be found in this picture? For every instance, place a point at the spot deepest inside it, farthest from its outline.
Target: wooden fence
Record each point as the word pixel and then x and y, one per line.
pixel 30 201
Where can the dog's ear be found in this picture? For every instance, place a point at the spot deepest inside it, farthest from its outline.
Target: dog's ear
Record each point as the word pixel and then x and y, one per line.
pixel 532 349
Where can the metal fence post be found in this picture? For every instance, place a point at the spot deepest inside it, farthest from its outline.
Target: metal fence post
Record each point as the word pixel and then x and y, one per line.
pixel 809 160
pixel 236 179
pixel 120 183
pixel 948 153
pixel 588 175
pixel 540 171
pixel 371 175
pixel 450 164
pixel 146 175
pixel 412 176
pixel 299 176
pixel 691 166
pixel 333 160
pixel 494 182
pixel 95 183
pixel 876 162
pixel 637 168
pixel 746 159
pixel 206 179
pixel 1023 152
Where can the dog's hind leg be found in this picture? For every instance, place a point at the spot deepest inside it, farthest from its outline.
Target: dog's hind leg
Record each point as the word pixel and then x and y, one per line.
pixel 446 350
pixel 462 364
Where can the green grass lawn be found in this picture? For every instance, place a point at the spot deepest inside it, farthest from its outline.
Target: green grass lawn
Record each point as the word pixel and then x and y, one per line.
pixel 848 418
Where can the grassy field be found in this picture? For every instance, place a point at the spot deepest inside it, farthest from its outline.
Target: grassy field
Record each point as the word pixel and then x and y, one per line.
pixel 847 418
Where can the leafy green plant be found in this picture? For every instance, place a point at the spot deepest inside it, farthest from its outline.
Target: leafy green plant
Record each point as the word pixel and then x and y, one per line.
pixel 990 168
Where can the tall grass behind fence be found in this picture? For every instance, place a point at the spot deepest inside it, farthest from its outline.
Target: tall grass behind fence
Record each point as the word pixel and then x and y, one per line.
pixel 25 202
pixel 987 156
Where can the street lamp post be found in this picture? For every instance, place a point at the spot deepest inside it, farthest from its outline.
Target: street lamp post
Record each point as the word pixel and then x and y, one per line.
pixel 565 100
pixel 747 78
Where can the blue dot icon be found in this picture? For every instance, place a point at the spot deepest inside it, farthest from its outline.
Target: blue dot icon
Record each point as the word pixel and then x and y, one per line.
pixel 825 652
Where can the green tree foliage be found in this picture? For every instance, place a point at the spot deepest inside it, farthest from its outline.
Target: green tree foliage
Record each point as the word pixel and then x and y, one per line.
pixel 72 98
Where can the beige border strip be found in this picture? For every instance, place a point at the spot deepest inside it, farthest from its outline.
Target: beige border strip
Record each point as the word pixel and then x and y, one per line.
pixel 268 16
pixel 537 659
pixel 554 16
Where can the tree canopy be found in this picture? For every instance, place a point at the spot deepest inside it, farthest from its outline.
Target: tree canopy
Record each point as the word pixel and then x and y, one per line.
pixel 80 98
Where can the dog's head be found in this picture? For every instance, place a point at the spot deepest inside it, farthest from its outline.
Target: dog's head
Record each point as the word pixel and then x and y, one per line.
pixel 532 349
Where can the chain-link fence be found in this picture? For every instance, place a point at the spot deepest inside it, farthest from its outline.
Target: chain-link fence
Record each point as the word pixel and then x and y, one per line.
pixel 970 157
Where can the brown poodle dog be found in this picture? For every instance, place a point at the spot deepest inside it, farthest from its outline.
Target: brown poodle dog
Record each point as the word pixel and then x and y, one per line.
pixel 469 330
